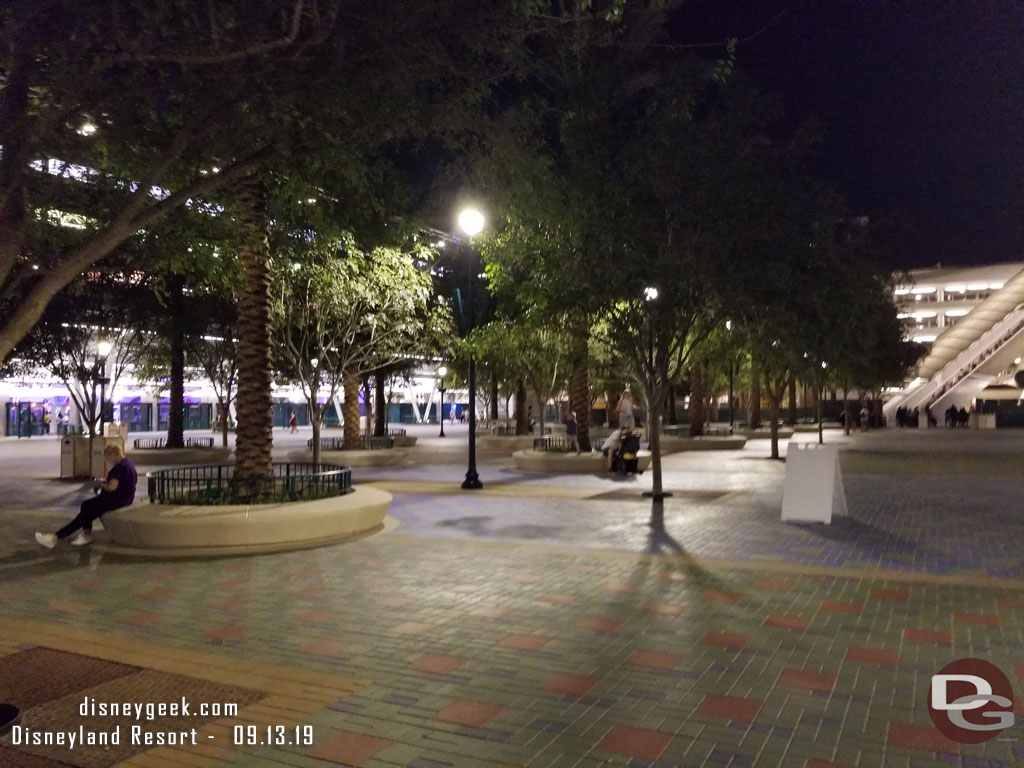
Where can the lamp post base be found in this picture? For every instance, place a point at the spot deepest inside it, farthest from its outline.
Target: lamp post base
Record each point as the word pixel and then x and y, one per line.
pixel 10 716
pixel 472 481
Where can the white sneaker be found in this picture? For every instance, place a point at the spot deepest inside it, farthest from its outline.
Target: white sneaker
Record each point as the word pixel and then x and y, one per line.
pixel 81 538
pixel 48 540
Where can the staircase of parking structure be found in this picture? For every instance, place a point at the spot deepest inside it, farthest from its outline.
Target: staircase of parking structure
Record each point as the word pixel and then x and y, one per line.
pixel 952 376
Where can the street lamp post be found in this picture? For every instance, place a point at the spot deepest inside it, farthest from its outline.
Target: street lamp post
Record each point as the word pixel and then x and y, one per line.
pixel 732 370
pixel 442 372
pixel 471 221
pixel 650 295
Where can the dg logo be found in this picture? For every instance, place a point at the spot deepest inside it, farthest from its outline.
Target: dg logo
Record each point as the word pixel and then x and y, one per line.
pixel 970 701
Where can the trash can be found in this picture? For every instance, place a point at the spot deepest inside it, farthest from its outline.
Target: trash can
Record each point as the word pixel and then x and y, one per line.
pixel 67 457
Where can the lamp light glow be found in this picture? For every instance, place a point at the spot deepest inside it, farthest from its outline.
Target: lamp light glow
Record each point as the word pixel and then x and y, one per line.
pixel 471 221
pixel 650 293
pixel 104 348
pixel 442 371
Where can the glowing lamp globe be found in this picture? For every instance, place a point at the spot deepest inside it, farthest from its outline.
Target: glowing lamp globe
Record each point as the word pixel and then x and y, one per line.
pixel 471 221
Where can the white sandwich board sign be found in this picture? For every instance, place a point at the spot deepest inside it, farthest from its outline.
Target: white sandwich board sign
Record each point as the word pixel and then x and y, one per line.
pixel 813 492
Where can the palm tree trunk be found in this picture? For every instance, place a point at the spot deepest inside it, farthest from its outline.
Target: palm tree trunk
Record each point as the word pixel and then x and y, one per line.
pixel 579 387
pixel 254 431
pixel 350 384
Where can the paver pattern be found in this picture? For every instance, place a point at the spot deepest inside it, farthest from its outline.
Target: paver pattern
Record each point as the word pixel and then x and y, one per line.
pixel 548 626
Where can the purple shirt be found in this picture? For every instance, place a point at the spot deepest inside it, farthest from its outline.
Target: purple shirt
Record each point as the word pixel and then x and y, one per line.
pixel 127 478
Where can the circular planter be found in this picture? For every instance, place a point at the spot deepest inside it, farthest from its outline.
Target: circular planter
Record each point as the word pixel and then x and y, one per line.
pixel 178 456
pixel 502 443
pixel 405 441
pixel 680 444
pixel 568 463
pixel 765 434
pixel 380 458
pixel 229 529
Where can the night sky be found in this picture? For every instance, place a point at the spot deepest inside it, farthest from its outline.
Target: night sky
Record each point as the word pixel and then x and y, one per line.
pixel 923 101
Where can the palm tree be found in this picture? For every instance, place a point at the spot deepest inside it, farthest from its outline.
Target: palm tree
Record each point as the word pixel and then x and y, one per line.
pixel 254 431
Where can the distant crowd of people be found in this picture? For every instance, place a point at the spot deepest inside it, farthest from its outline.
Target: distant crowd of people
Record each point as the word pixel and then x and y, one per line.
pixel 912 418
pixel 957 418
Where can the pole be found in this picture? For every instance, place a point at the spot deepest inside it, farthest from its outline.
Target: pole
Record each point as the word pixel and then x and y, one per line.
pixel 103 402
pixel 472 481
pixel 732 368
pixel 650 374
pixel 440 411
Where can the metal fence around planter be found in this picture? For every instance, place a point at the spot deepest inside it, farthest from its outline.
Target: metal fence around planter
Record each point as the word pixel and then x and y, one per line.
pixel 553 444
pixel 396 433
pixel 365 444
pixel 144 443
pixel 213 484
pixel 505 430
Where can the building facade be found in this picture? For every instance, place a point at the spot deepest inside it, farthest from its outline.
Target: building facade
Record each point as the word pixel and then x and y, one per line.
pixel 972 322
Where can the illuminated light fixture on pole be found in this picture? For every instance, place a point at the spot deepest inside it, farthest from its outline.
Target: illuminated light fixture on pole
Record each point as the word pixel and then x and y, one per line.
pixel 87 129
pixel 441 373
pixel 471 221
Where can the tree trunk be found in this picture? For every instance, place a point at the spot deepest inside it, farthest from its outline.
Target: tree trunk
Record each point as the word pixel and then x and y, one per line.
pixel 522 418
pixel 367 407
pixel 846 410
pixel 817 415
pixel 380 415
pixel 314 421
pixel 225 419
pixel 176 408
pixel 792 403
pixel 696 410
pixel 350 434
pixel 775 392
pixel 612 395
pixel 543 403
pixel 493 404
pixel 254 437
pixel 754 407
pixel 579 387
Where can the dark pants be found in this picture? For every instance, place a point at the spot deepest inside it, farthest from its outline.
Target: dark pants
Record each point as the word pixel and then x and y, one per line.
pixel 91 509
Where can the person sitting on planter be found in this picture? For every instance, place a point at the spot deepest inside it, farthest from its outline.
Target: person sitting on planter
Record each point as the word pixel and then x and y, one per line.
pixel 117 491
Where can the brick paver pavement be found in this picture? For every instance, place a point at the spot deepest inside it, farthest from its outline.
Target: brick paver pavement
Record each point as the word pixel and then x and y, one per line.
pixel 542 624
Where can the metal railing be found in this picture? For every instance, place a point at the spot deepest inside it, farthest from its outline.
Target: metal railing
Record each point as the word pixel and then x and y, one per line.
pixel 143 443
pixel 365 443
pixel 551 443
pixel 396 433
pixel 505 430
pixel 213 484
